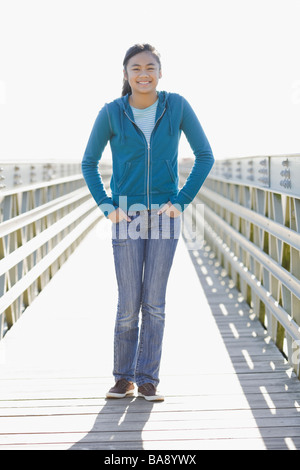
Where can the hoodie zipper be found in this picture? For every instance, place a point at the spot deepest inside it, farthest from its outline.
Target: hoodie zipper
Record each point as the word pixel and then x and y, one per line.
pixel 148 152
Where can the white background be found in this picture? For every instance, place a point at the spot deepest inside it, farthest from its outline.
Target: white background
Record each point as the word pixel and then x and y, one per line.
pixel 236 61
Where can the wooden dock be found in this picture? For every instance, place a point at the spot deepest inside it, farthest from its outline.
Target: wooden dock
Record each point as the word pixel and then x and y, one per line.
pixel 226 385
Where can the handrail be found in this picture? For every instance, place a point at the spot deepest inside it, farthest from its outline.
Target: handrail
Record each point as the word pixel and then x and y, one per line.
pixel 279 313
pixel 252 222
pixel 42 222
pixel 280 231
pixel 33 215
pixel 26 281
pixel 36 242
pixel 285 277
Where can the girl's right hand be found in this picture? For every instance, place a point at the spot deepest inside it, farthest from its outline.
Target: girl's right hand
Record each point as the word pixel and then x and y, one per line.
pixel 116 216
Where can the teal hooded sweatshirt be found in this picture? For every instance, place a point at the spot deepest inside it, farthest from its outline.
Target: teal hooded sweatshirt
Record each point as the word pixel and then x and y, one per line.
pixel 146 176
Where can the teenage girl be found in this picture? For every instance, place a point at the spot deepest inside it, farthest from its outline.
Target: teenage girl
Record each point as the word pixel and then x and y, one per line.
pixel 143 128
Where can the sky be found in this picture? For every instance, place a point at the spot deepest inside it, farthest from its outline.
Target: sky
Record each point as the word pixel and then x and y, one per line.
pixel 235 61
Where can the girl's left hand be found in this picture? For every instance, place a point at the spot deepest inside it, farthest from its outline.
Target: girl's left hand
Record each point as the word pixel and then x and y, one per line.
pixel 170 210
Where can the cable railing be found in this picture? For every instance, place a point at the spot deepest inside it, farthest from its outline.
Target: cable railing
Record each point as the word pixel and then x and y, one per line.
pixel 252 223
pixel 46 210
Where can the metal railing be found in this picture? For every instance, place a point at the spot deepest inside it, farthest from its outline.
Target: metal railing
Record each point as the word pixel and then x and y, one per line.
pixel 252 222
pixel 46 210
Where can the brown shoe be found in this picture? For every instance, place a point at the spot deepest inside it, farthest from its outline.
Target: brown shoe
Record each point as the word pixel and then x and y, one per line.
pixel 148 391
pixel 121 389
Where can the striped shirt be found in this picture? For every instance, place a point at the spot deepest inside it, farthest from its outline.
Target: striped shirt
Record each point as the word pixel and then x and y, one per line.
pixel 145 119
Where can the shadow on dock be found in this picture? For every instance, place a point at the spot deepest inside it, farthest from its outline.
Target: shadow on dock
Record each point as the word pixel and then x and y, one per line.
pixel 119 425
pixel 268 383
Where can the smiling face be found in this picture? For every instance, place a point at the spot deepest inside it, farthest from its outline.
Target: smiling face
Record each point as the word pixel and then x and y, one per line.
pixel 143 73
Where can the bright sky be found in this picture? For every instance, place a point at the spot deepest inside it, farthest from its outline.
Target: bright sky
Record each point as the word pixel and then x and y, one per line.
pixel 236 61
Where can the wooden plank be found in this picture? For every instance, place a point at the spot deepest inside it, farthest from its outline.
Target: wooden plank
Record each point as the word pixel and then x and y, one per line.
pixel 193 403
pixel 254 444
pixel 154 415
pixel 142 436
pixel 176 445
pixel 248 384
pixel 197 393
pixel 90 422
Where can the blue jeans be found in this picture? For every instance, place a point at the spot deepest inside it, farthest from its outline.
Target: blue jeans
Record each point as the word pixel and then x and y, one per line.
pixel 143 253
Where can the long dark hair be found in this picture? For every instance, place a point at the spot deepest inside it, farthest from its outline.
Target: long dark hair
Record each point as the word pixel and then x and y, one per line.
pixel 132 51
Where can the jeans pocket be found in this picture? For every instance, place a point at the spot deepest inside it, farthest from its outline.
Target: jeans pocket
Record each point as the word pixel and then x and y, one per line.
pixel 119 233
pixel 170 226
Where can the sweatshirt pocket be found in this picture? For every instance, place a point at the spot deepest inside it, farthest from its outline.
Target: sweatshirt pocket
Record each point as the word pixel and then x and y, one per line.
pixel 171 171
pixel 124 175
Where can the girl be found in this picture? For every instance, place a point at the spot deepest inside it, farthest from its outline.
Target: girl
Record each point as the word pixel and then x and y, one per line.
pixel 143 128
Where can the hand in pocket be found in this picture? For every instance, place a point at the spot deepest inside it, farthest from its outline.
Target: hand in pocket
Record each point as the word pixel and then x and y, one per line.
pixel 170 210
pixel 118 215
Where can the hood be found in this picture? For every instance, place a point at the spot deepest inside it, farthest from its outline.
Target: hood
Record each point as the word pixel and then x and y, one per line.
pixel 125 109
